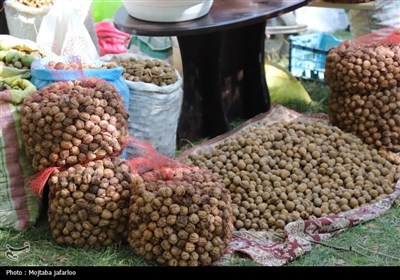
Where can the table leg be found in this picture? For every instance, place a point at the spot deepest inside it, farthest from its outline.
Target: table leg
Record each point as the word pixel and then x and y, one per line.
pixel 224 80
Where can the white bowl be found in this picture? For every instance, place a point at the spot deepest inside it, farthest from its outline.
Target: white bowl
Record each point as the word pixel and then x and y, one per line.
pixel 167 10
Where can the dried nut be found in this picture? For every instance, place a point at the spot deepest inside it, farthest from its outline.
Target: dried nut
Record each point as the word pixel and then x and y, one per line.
pixel 61 127
pixel 94 216
pixel 168 218
pixel 279 173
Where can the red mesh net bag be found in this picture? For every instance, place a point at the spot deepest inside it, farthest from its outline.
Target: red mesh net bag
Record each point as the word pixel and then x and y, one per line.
pixel 73 122
pixel 179 215
pixel 368 63
pixel 88 204
pixel 364 76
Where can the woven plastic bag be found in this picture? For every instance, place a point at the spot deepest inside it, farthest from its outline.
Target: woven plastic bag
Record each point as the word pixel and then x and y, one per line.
pixel 385 14
pixel 8 72
pixel 24 21
pixel 283 88
pixel 18 207
pixel 10 43
pixel 153 111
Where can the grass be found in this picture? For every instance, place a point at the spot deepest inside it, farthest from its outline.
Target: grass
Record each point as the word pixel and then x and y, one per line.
pixel 375 243
pixel 44 252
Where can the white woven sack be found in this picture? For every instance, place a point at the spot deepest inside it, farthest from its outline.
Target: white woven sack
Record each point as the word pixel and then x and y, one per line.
pixel 153 111
pixel 23 22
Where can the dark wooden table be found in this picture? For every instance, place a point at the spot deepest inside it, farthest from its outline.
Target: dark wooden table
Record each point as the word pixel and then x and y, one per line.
pixel 223 61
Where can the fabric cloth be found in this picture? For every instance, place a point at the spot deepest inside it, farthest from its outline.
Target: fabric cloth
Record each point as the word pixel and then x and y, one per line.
pixel 273 249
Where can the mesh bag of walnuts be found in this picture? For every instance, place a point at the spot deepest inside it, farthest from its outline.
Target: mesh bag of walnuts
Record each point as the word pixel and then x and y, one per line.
pixel 88 204
pixel 364 76
pixel 281 166
pixel 179 215
pixel 368 63
pixel 73 122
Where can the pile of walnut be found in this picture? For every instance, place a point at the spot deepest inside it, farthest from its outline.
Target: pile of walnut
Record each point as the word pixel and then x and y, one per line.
pixel 183 218
pixel 363 68
pixel 88 205
pixel 148 70
pixel 73 122
pixel 284 172
pixel 365 98
pixel 78 65
pixel 37 3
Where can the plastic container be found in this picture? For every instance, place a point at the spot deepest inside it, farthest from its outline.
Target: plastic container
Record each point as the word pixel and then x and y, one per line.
pixel 307 54
pixel 167 10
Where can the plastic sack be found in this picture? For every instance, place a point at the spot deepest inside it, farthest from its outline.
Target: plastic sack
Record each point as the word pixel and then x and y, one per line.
pixel 42 75
pixel 153 111
pixel 156 47
pixel 8 42
pixel 385 14
pixel 110 39
pixel 15 64
pixel 283 88
pixel 23 21
pixel 8 72
pixel 18 207
pixel 325 20
pixel 64 33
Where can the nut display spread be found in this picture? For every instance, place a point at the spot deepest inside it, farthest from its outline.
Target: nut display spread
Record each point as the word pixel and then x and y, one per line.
pixel 284 172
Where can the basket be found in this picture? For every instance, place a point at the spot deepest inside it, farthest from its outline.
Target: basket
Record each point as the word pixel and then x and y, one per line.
pixel 307 54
